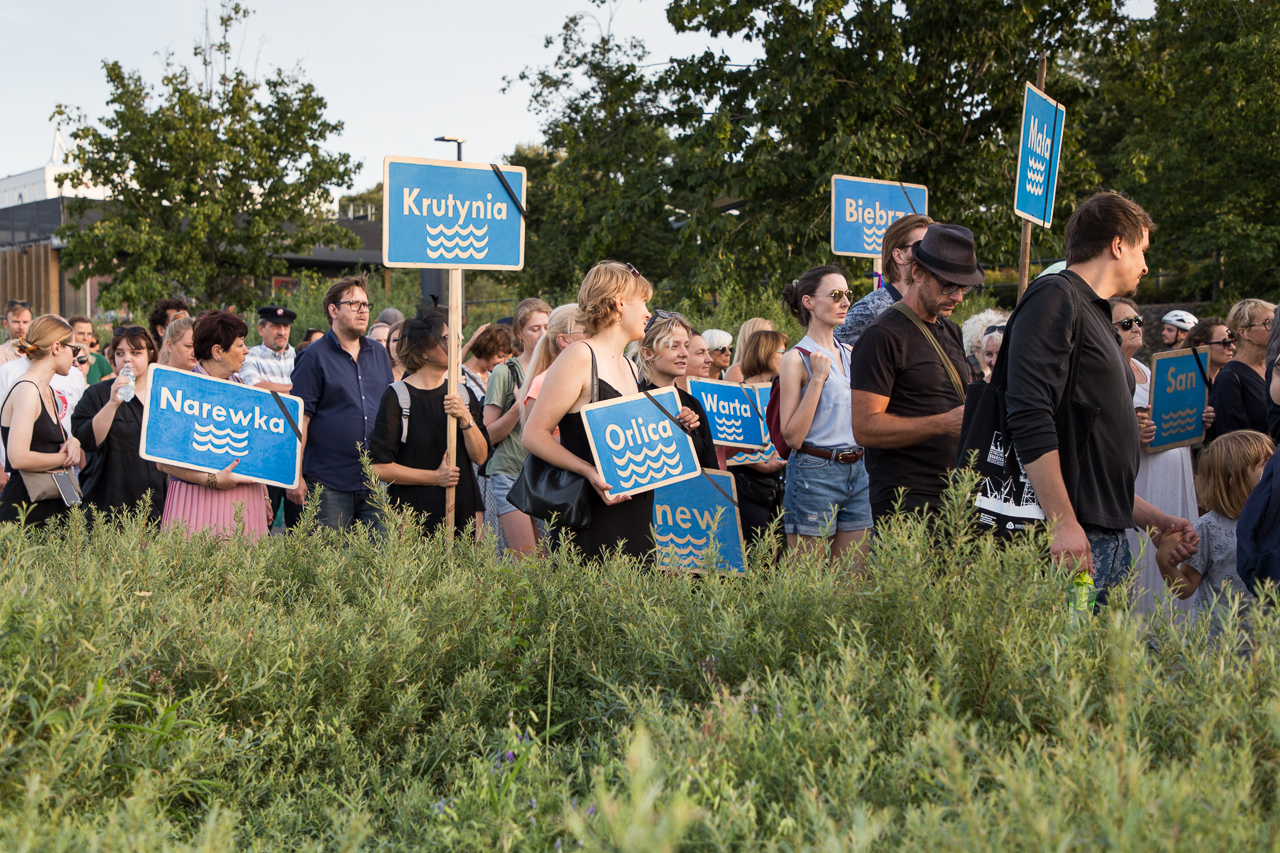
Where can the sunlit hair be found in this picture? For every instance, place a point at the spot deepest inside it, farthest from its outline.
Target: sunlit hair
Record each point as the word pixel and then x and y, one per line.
pixel 145 338
pixel 44 331
pixel 603 286
pixel 172 334
pixel 759 349
pixel 897 236
pixel 1222 479
pixel 549 349
pixel 495 340
pixel 806 285
pixel 1243 312
pixel 746 330
pixel 524 311
pixel 657 338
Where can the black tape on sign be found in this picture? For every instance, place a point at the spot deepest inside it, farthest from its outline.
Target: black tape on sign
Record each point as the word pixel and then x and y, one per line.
pixel 288 417
pixel 514 199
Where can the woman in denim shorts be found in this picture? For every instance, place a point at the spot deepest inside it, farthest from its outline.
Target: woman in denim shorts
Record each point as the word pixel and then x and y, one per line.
pixel 826 500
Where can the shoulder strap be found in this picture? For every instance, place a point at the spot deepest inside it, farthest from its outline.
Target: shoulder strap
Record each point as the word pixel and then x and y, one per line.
pixel 681 427
pixel 937 347
pixel 402 394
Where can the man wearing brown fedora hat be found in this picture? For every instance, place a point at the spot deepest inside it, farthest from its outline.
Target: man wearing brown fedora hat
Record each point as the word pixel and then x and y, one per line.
pixel 1078 440
pixel 908 394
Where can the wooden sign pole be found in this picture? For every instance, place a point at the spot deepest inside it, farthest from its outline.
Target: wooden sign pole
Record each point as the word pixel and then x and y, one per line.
pixel 1024 256
pixel 455 361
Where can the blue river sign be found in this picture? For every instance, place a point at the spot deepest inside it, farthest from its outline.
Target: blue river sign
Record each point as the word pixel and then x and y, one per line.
pixel 635 446
pixel 733 412
pixel 1042 121
pixel 441 214
pixel 690 517
pixel 862 208
pixel 1178 397
pixel 205 423
pixel 767 452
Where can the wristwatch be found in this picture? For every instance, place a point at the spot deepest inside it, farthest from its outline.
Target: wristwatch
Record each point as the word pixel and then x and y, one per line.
pixel 469 424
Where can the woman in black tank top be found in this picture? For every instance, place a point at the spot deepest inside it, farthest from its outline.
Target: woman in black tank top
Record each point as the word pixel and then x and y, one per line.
pixel 33 436
pixel 611 304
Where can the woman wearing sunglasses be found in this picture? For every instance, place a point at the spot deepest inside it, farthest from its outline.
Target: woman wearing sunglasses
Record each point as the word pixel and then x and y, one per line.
pixel 1165 479
pixel 1239 393
pixel 108 424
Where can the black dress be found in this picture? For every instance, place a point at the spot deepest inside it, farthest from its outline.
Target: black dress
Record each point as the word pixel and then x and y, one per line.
pixel 46 437
pixel 114 475
pixel 627 525
pixel 1238 398
pixel 425 450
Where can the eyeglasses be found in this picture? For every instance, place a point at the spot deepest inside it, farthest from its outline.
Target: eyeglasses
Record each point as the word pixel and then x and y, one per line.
pixel 80 359
pixel 635 272
pixel 1266 324
pixel 838 296
pixel 659 314
pixel 965 289
pixel 357 306
pixel 1128 323
pixel 128 331
pixel 1225 343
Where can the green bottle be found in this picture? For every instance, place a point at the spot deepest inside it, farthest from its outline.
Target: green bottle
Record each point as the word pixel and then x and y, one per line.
pixel 1081 596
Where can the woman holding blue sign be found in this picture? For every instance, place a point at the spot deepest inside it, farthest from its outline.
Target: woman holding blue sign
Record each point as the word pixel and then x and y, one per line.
pixel 108 423
pixel 200 500
pixel 664 358
pixel 611 305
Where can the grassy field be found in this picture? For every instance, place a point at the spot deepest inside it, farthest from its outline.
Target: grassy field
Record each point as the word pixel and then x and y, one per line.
pixel 324 692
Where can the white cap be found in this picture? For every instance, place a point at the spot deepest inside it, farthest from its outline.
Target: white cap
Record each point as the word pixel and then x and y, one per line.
pixel 1184 320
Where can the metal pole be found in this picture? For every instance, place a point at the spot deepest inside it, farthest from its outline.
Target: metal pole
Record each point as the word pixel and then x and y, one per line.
pixel 1024 255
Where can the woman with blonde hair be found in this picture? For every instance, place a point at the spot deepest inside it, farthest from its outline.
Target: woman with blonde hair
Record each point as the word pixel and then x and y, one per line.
pixel 611 307
pixel 177 350
pixel 745 331
pixel 35 441
pixel 562 329
pixel 1239 393
pixel 663 355
pixel 502 420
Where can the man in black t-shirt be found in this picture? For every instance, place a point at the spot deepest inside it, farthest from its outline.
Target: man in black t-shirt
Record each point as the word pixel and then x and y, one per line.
pixel 907 404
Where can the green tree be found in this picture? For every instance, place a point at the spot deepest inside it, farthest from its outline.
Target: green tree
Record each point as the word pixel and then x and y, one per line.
pixel 743 153
pixel 1192 111
pixel 209 183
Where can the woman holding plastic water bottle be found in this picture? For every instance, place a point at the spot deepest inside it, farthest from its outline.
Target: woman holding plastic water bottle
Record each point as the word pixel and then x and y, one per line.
pixel 108 424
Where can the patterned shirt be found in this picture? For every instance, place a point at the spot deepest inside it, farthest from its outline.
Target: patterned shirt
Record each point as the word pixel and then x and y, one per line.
pixel 864 312
pixel 264 364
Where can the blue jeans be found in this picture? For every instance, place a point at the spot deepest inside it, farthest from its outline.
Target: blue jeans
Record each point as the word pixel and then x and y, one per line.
pixel 824 495
pixel 339 510
pixel 1112 559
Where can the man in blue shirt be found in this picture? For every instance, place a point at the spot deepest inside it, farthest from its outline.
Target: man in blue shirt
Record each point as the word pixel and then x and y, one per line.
pixel 340 378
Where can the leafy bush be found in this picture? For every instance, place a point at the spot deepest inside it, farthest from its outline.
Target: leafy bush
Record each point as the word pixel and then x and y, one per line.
pixel 323 691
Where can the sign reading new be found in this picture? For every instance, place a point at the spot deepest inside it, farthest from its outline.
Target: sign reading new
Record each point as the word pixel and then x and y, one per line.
pixel 205 423
pixel 440 214
pixel 689 518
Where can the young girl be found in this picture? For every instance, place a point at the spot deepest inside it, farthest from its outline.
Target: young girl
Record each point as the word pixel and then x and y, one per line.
pixel 1230 468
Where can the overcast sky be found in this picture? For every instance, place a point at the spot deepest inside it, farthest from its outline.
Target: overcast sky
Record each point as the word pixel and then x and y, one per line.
pixel 398 74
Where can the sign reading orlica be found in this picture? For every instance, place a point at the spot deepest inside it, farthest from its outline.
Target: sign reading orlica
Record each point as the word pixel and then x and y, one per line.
pixel 204 423
pixel 636 448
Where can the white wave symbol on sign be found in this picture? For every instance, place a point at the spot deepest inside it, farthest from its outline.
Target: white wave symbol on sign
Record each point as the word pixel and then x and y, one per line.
pixel 1035 175
pixel 687 550
pixel 214 440
pixel 648 465
pixel 468 242
pixel 871 238
pixel 730 428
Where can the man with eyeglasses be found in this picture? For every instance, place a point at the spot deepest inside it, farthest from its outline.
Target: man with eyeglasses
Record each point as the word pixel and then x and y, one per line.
pixel 908 375
pixel 1069 398
pixel 340 378
pixel 99 367
pixel 17 318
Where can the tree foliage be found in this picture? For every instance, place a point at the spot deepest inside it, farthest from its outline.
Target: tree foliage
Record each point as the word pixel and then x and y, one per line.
pixel 741 155
pixel 209 182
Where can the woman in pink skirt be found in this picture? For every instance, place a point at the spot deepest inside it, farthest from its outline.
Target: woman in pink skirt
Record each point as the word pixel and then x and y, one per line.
pixel 198 500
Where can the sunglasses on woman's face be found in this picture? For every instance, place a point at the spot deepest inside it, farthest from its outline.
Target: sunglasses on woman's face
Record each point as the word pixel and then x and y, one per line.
pixel 1225 343
pixel 1128 323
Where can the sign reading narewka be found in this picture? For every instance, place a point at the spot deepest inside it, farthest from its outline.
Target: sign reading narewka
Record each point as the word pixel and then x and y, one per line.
pixel 440 214
pixel 205 423
pixel 635 446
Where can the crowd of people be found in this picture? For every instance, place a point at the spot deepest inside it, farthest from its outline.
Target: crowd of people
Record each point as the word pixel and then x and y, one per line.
pixel 871 405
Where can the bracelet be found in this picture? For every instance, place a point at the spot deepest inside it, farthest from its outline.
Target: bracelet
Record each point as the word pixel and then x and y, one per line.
pixel 211 481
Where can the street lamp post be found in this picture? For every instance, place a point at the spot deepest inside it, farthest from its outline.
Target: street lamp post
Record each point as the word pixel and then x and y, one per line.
pixel 458 140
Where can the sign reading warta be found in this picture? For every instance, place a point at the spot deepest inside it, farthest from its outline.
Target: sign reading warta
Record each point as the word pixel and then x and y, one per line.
pixel 1042 121
pixel 862 208
pixel 441 214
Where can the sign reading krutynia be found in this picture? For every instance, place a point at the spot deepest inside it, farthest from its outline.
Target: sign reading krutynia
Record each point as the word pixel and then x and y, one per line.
pixel 205 423
pixel 733 413
pixel 1042 121
pixel 862 208
pixel 688 518
pixel 635 446
pixel 1178 397
pixel 440 214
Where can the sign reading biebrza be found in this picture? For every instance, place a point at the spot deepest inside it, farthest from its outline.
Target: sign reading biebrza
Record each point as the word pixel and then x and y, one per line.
pixel 635 447
pixel 205 423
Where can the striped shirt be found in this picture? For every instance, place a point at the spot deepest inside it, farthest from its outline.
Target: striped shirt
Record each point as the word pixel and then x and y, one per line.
pixel 264 364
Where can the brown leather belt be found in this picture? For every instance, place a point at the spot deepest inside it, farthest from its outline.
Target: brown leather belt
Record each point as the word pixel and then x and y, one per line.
pixel 845 457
